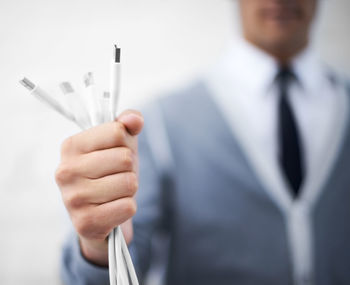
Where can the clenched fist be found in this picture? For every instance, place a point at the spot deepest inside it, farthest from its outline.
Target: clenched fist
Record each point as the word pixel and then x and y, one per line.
pixel 98 181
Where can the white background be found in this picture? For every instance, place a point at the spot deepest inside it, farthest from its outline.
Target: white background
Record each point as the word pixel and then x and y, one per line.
pixel 165 43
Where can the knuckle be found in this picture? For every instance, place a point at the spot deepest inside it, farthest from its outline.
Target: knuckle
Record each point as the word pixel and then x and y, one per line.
pixel 64 174
pixel 73 199
pixel 130 207
pixel 84 224
pixel 127 159
pixel 132 183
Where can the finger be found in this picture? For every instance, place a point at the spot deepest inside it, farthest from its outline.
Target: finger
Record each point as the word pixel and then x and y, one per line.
pixel 105 162
pixel 132 120
pixel 112 187
pixel 99 191
pixel 116 212
pixel 96 222
pixel 108 135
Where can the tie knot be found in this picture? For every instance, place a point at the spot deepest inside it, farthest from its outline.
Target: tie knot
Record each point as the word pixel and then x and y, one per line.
pixel 285 74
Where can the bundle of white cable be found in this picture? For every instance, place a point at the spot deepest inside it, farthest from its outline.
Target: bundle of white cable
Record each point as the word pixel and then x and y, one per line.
pixel 102 109
pixel 92 110
pixel 121 269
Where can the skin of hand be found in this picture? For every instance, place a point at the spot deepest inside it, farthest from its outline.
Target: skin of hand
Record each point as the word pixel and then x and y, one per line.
pixel 98 179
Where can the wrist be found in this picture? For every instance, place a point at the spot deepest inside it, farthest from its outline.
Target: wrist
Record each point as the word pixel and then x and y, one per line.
pixel 95 252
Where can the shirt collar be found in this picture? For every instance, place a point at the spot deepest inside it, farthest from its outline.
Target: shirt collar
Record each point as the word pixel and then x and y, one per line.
pixel 250 66
pixel 308 69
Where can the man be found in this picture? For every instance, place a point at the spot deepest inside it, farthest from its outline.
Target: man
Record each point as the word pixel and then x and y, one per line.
pixel 245 171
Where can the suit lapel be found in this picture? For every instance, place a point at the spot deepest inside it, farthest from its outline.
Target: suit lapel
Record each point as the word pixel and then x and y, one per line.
pixel 268 172
pixel 255 163
pixel 336 154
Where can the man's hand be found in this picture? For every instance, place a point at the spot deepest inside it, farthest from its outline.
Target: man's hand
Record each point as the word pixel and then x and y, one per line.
pixel 98 181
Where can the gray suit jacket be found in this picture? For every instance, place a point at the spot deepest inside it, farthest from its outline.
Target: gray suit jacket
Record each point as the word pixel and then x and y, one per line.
pixel 223 227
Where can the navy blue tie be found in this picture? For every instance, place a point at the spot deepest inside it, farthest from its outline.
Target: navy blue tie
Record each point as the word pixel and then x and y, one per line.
pixel 290 150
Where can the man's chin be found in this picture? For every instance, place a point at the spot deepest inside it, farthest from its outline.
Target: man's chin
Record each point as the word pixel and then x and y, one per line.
pixel 281 47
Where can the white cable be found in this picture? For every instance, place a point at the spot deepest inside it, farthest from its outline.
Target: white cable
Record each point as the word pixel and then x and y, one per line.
pixel 93 102
pixel 112 259
pixel 104 103
pixel 114 87
pixel 129 264
pixel 48 100
pixel 75 105
pixel 124 264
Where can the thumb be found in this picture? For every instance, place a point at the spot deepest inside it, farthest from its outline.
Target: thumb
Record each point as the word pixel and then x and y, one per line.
pixel 132 120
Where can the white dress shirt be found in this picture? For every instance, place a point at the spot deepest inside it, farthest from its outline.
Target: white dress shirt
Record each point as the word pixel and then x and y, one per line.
pixel 248 74
pixel 243 86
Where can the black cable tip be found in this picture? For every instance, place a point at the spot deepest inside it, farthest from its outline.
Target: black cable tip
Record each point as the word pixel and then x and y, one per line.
pixel 117 54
